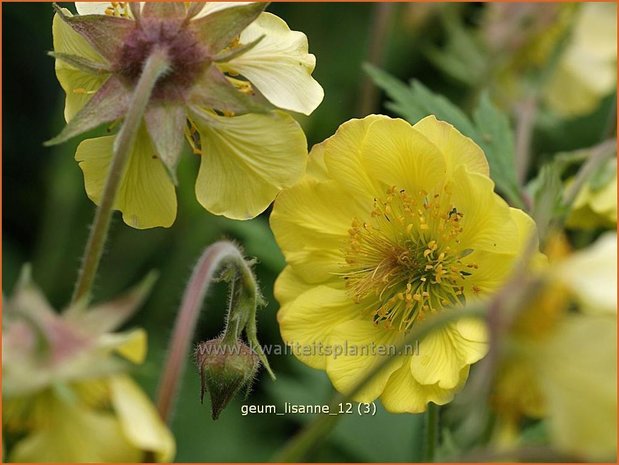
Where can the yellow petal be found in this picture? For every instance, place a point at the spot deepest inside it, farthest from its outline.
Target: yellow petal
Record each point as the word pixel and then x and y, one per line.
pixel 578 376
pixel 311 222
pixel 591 274
pixel 289 285
pixel 605 200
pixel 344 160
pixel 139 419
pixel 247 160
pixel 404 394
pixel 308 321
pixel 492 269
pixel 212 7
pixel 457 149
pixel 74 433
pixel 146 195
pixel 316 166
pixel 92 8
pixel 487 223
pixel 131 344
pixel 444 353
pixel 587 69
pixel 279 65
pixel 78 85
pixel 398 155
pixel 594 209
pixel 358 347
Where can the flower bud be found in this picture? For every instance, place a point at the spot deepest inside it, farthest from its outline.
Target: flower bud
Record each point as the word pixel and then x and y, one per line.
pixel 225 369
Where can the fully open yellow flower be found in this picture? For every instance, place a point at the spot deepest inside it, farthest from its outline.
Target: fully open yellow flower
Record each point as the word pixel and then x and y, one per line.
pixel 234 68
pixel 392 224
pixel 66 396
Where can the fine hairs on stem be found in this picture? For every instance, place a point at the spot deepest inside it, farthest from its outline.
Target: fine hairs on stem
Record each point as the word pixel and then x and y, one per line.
pixel 216 257
pixel 155 66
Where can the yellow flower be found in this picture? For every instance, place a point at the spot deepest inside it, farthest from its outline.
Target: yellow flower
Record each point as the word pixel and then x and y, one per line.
pixel 596 204
pixel 562 365
pixel 392 224
pixel 234 68
pixel 587 69
pixel 65 394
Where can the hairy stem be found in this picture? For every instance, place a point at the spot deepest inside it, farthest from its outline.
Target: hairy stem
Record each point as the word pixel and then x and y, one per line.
pixel 599 155
pixel 525 122
pixel 298 447
pixel 156 65
pixel 214 258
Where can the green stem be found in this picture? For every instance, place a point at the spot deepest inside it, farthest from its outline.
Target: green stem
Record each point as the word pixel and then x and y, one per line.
pixel 599 155
pixel 214 258
pixel 298 447
pixel 431 432
pixel 155 66
pixel 383 13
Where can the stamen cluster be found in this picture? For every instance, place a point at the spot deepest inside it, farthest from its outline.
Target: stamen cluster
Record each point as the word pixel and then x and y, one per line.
pixel 405 260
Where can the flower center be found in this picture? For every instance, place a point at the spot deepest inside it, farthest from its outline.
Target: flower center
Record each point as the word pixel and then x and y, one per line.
pixel 406 259
pixel 188 57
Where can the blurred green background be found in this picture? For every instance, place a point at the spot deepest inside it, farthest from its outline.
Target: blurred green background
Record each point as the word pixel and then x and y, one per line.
pixel 46 215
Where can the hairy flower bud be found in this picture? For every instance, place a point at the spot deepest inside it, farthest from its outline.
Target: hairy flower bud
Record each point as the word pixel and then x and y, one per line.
pixel 225 369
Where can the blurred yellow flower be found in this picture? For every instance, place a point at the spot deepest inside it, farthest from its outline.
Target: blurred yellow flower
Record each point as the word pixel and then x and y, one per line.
pixel 392 224
pixel 65 394
pixel 234 68
pixel 587 69
pixel 596 204
pixel 562 365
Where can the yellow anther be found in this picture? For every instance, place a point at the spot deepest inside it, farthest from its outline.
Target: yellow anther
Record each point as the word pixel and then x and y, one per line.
pixel 82 91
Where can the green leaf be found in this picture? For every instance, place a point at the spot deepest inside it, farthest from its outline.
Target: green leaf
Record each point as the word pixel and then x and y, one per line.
pixel 462 57
pixel 417 101
pixel 443 109
pixel 497 140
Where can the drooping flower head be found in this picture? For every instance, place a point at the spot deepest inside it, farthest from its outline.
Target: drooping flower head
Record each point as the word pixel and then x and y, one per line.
pixel 66 394
pixel 392 224
pixel 232 68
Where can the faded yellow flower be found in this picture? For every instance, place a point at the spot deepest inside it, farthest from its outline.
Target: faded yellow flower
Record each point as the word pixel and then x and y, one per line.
pixel 65 392
pixel 587 70
pixel 561 365
pixel 234 69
